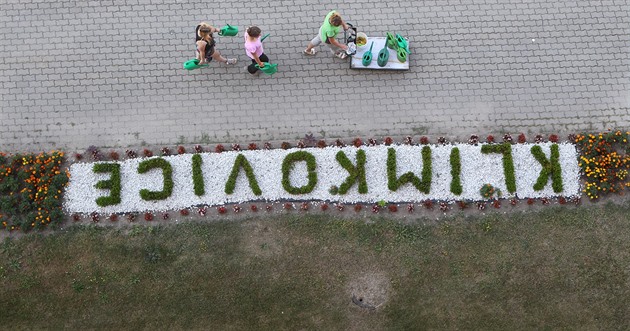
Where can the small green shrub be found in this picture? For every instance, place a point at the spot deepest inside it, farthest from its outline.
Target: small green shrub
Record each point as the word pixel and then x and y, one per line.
pixel 487 191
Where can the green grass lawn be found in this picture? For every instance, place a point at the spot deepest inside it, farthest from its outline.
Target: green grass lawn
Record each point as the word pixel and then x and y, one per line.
pixel 564 267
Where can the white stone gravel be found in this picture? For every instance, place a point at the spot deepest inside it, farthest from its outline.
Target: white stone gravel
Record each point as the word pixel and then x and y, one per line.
pixel 477 169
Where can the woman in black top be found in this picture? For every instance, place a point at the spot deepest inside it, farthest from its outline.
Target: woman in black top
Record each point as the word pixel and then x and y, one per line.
pixel 205 45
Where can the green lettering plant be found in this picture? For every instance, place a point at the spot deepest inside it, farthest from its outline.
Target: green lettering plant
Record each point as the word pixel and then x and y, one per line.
pixel 424 185
pixel 287 167
pixel 167 174
pixel 356 173
pixel 198 183
pixel 241 162
pixel 549 167
pixel 112 184
pixel 456 170
pixel 508 163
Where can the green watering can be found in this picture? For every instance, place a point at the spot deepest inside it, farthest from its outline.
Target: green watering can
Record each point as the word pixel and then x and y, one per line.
pixel 402 55
pixel 367 57
pixel 264 37
pixel 228 30
pixel 193 64
pixel 269 68
pixel 402 43
pixel 391 41
pixel 383 56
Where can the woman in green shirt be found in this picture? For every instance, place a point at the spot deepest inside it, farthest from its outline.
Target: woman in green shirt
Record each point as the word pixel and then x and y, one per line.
pixel 327 34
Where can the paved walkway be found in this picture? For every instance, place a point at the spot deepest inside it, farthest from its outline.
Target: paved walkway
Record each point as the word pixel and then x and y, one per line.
pixel 109 73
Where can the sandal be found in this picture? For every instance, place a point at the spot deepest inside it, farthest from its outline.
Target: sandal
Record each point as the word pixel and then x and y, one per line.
pixel 312 52
pixel 341 55
pixel 230 61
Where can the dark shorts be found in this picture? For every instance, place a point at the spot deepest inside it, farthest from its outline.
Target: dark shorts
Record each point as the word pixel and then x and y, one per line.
pixel 252 67
pixel 208 54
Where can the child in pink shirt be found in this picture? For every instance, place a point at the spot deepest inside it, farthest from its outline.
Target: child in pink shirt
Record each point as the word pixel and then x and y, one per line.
pixel 254 49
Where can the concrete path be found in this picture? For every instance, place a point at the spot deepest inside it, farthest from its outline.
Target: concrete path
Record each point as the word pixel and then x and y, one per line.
pixel 109 73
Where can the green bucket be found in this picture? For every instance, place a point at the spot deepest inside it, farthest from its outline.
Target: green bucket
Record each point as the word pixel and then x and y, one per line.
pixel 269 68
pixel 193 64
pixel 229 31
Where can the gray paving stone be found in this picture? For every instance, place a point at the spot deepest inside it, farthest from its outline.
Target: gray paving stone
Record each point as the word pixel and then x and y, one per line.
pixel 114 76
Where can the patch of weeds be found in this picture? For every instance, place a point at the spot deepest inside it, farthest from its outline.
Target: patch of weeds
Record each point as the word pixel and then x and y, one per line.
pixel 103 297
pixel 15 265
pixel 486 226
pixel 446 229
pixel 136 230
pixel 78 286
pixel 28 281
pixel 153 230
pixel 455 268
pixel 205 138
pixel 155 253
pixel 410 234
pixel 134 280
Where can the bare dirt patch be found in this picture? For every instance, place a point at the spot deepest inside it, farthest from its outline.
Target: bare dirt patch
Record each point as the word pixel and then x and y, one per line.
pixel 369 289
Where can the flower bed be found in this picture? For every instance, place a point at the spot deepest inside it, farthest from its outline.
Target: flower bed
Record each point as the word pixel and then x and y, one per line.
pixel 366 174
pixel 31 190
pixel 604 160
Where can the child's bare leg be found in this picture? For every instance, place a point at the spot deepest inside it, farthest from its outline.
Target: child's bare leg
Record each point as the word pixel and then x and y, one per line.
pixel 217 57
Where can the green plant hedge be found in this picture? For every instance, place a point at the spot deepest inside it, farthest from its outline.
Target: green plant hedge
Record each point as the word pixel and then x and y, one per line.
pixel 508 163
pixel 287 167
pixel 198 183
pixel 456 170
pixel 112 184
pixel 549 167
pixel 167 173
pixel 356 173
pixel 241 162
pixel 424 185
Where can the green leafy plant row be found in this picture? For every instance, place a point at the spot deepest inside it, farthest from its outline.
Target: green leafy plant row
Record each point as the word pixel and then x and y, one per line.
pixel 167 173
pixel 508 163
pixel 112 184
pixel 549 167
pixel 394 182
pixel 356 173
pixel 241 162
pixel 456 171
pixel 287 166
